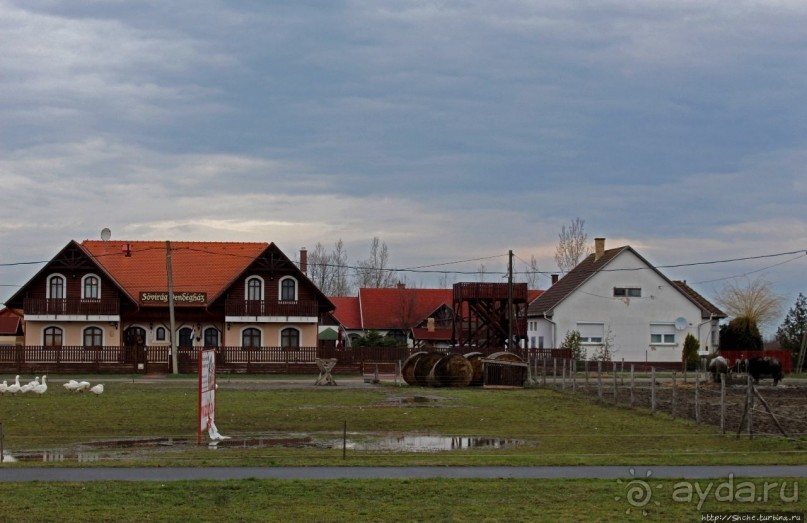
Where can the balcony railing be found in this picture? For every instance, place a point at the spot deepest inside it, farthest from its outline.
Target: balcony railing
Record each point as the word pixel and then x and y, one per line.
pixel 255 308
pixel 71 307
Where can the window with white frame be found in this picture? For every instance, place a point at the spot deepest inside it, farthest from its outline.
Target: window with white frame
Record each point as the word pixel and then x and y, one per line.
pixel 288 289
pixel 590 332
pixel 254 289
pixel 91 287
pixel 662 334
pixel 627 292
pixel 56 287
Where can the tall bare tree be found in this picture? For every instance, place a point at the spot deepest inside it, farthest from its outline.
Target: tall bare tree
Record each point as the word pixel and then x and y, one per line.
pixel 374 271
pixel 328 270
pixel 751 299
pixel 572 245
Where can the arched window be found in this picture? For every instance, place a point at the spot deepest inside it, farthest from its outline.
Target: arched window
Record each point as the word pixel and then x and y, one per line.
pixel 289 338
pixel 93 337
pixel 254 289
pixel 56 287
pixel 52 337
pixel 91 287
pixel 211 337
pixel 185 337
pixel 288 289
pixel 251 338
pixel 159 334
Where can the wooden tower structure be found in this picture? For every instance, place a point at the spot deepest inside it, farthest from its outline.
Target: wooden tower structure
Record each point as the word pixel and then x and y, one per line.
pixel 485 314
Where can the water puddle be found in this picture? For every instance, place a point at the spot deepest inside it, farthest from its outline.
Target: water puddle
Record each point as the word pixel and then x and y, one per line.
pixel 113 450
pixel 430 443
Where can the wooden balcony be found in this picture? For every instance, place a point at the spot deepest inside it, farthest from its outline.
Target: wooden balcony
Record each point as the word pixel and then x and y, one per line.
pixel 70 307
pixel 256 309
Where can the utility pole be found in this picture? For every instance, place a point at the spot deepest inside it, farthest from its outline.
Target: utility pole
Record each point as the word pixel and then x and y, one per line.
pixel 510 301
pixel 800 360
pixel 174 359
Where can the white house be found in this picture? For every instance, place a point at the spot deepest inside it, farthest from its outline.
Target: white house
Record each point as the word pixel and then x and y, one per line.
pixel 616 298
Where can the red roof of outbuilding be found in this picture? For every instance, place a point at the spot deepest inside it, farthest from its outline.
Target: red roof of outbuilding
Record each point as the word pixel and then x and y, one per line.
pixel 347 311
pixel 399 307
pixel 10 325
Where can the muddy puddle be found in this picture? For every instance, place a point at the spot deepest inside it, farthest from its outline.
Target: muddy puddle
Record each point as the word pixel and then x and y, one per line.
pixel 114 450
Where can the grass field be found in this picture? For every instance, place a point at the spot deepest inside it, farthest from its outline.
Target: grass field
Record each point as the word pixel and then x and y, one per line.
pixel 552 427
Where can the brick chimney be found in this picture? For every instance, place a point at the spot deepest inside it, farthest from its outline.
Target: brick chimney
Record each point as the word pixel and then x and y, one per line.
pixel 554 279
pixel 401 285
pixel 304 260
pixel 599 248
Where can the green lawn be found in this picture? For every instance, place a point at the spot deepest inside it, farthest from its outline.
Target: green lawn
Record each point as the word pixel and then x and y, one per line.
pixel 554 428
pixel 427 500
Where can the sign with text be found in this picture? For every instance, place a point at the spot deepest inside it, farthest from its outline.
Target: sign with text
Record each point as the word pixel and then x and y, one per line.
pixel 160 297
pixel 207 391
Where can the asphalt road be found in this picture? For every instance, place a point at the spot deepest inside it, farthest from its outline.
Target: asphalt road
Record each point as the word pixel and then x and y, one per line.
pixel 21 474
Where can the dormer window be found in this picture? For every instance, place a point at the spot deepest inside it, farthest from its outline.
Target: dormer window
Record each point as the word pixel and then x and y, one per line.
pixel 91 287
pixel 288 289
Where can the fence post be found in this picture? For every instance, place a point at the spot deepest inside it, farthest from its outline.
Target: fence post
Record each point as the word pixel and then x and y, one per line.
pixel 674 390
pixel 652 389
pixel 563 376
pixel 722 403
pixel 573 364
pixel 554 371
pixel 632 381
pixel 599 378
pixel 615 391
pixel 543 371
pixel 697 399
pixel 750 401
pixel 586 371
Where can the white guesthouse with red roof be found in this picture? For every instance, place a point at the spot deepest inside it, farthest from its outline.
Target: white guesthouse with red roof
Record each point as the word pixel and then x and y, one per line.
pixel 105 293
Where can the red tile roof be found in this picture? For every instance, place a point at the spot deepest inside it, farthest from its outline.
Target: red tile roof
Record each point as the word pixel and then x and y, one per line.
pixel 10 325
pixel 347 311
pixel 400 308
pixel 207 267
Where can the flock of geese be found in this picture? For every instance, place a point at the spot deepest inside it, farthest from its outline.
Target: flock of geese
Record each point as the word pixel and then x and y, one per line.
pixel 40 387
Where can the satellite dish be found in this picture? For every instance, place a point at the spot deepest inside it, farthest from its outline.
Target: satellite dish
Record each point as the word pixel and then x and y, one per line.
pixel 680 323
pixel 106 234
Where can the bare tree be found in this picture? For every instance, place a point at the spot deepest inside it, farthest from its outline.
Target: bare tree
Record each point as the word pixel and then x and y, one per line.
pixel 753 299
pixel 374 271
pixel 531 273
pixel 328 270
pixel 443 281
pixel 572 245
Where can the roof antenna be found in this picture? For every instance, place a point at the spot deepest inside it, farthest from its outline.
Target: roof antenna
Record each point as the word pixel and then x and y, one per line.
pixel 106 234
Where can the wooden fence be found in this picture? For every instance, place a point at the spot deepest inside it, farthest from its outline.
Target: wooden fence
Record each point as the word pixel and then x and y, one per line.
pixel 299 360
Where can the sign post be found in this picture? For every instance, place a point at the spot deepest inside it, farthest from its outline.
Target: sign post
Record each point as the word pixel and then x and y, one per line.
pixel 207 392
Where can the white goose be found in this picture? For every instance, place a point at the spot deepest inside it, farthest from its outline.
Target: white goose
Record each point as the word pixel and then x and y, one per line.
pixel 98 389
pixel 3 387
pixel 71 385
pixel 42 387
pixel 14 388
pixel 83 386
pixel 30 385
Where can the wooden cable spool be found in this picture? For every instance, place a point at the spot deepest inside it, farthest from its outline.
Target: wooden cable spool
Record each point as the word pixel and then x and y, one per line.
pixel 408 368
pixel 424 366
pixel 475 359
pixel 452 370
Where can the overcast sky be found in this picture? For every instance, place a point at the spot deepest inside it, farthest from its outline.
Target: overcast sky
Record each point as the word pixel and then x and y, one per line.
pixel 450 130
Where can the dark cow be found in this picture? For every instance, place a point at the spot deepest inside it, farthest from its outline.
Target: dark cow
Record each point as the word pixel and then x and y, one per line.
pixel 719 366
pixel 763 367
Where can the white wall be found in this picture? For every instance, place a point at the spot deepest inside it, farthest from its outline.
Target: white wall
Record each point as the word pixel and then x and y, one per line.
pixel 629 319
